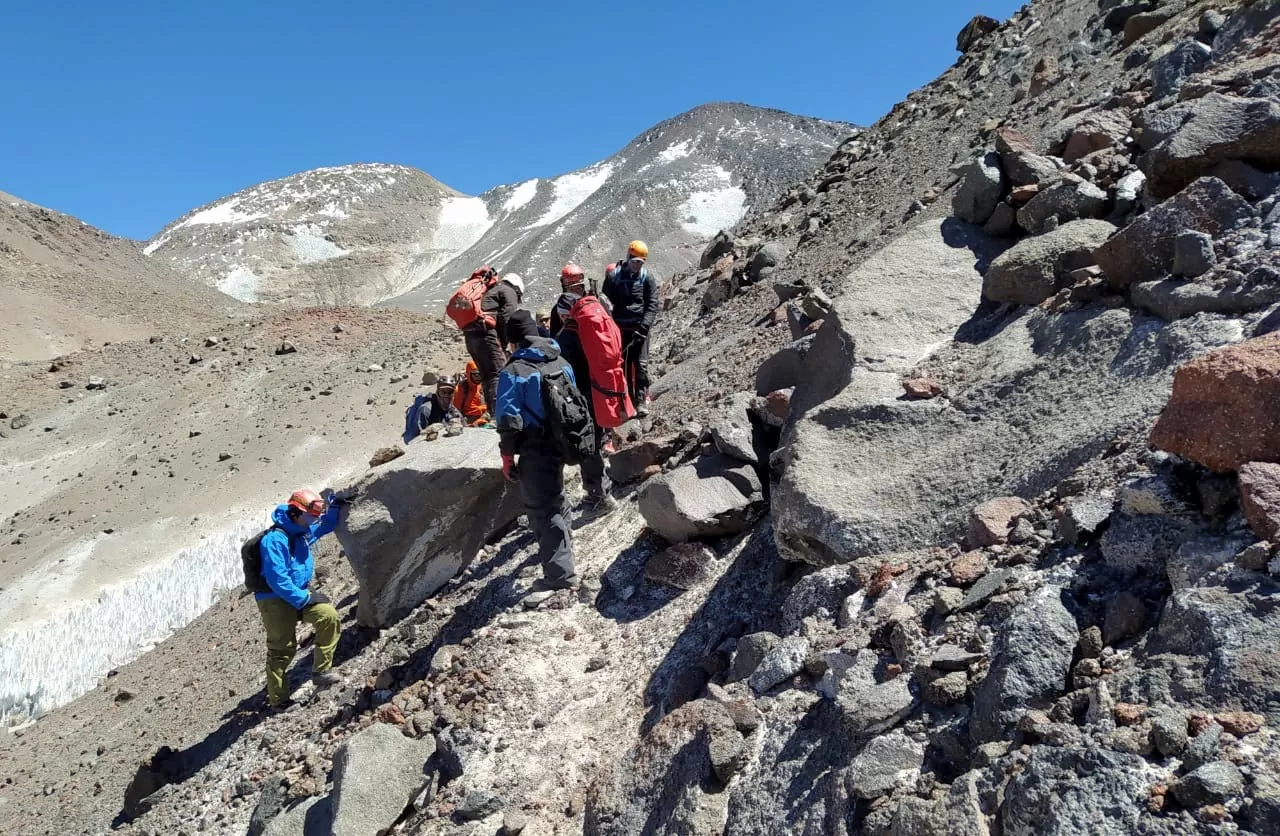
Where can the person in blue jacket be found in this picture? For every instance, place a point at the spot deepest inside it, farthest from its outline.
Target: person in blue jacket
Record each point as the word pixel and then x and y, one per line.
pixel 288 569
pixel 523 432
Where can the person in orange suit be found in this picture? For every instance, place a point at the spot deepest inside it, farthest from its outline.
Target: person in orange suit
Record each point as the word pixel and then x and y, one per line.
pixel 468 397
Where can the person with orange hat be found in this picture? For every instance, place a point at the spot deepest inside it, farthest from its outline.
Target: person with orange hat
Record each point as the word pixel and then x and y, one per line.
pixel 468 396
pixel 288 569
pixel 632 290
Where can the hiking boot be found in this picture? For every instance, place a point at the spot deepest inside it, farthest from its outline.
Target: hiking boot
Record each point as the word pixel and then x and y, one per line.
pixel 597 506
pixel 280 707
pixel 544 590
pixel 325 679
pixel 537 598
pixel 642 411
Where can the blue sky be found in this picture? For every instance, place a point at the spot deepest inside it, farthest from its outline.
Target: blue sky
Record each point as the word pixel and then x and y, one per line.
pixel 129 114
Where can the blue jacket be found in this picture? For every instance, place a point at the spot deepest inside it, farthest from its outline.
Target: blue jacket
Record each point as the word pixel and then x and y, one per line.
pixel 521 415
pixel 287 565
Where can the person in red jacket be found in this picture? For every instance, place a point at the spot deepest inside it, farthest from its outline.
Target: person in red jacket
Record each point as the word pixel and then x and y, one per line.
pixel 468 397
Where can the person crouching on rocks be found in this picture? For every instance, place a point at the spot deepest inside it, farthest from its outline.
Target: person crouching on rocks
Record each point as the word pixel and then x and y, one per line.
pixel 288 568
pixel 468 398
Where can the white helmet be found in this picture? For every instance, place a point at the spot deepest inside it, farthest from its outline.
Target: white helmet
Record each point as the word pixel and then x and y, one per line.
pixel 515 281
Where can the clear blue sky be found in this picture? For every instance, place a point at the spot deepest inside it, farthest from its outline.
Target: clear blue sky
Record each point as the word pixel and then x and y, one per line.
pixel 128 114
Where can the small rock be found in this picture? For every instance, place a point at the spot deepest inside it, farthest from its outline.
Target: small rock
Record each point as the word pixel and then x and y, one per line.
pixel 285 348
pixel 478 804
pixel 1254 558
pixel 1129 714
pixel 1169 731
pixel 968 568
pixel 1211 783
pixel 946 690
pixel 514 822
pixel 1091 643
pixel 947 599
pixel 782 662
pixel 1240 723
pixel 727 751
pixel 96 383
pixel 1125 617
pixel 682 566
pixel 921 388
pixel 876 709
pixel 1085 516
pixel 1203 748
pixel 752 649
pixel 384 455
pixel 951 657
pixel 1193 254
pixel 990 522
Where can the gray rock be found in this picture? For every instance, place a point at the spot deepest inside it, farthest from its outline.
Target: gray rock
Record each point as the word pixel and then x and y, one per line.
pixel 683 566
pixel 1171 69
pixel 1204 748
pixel 1211 22
pixel 1149 495
pixel 629 463
pixel 1234 641
pixel 1245 180
pixel 1063 791
pixel 478 804
pixel 727 751
pixel 1169 731
pixel 310 817
pixel 876 709
pixel 769 255
pixel 824 589
pixel 1036 267
pixel 1031 660
pixel 452 485
pixel 1199 557
pixel 974 31
pixel 1263 814
pixel 1193 254
pixel 1071 198
pixel 1026 168
pixel 376 774
pixel 783 661
pixel 946 690
pixel 950 657
pixel 1133 544
pixel 513 822
pixel 1210 784
pixel 1208 131
pixel 720 244
pixel 1085 516
pixel 1003 221
pixel 985 587
pixel 752 649
pixel 711 496
pixel 666 783
pixel 879 767
pixel 962 809
pixel 981 185
pixel 848 674
pixel 784 369
pixel 1143 251
pixel 270 804
pixel 1128 188
pixel 1171 299
pixel 731 430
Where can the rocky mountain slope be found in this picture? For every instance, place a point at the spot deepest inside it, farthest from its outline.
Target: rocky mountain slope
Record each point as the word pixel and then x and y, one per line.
pixel 368 233
pixel 68 286
pixel 958 514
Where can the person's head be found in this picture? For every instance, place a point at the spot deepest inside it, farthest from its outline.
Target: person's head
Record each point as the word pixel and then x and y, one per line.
pixel 445 386
pixel 521 327
pixel 515 281
pixel 544 319
pixel 637 254
pixel 473 373
pixel 305 507
pixel 572 279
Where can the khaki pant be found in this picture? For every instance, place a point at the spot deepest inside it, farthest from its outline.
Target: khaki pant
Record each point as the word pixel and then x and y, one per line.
pixel 281 623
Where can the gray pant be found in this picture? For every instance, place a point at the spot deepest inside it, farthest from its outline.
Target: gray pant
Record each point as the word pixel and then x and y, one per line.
pixel 542 483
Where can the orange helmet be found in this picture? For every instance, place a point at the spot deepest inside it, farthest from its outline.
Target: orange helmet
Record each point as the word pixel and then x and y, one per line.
pixel 637 249
pixel 307 502
pixel 571 274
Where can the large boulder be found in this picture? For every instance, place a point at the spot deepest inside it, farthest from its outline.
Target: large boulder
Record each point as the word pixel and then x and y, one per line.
pixel 1219 293
pixel 1063 791
pixel 1143 251
pixel 1029 403
pixel 783 369
pixel 375 775
pixel 1036 267
pixel 1260 498
pixel 1170 70
pixel 1213 129
pixel 974 31
pixel 712 496
pixel 1223 413
pixel 1029 666
pixel 423 517
pixel 982 183
pixel 667 783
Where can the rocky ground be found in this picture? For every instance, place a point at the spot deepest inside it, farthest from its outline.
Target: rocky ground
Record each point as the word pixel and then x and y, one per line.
pixel 957 514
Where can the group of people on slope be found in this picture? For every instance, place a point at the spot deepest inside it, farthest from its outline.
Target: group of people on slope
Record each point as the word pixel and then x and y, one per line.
pixel 600 351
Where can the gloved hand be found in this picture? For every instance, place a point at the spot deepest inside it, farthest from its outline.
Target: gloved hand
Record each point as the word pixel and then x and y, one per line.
pixel 510 470
pixel 318 598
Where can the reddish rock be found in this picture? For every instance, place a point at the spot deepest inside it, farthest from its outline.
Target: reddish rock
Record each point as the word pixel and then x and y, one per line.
pixel 1198 721
pixel 389 713
pixel 1260 498
pixel 1222 413
pixel 967 568
pixel 1022 194
pixel 1129 714
pixel 991 521
pixel 1240 723
pixel 1043 76
pixel 1010 141
pixel 1096 131
pixel 921 388
pixel 385 454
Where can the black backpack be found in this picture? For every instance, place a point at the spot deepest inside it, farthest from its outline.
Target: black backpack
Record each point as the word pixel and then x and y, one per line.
pixel 251 560
pixel 568 420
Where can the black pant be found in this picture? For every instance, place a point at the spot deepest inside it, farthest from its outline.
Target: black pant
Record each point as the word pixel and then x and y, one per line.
pixel 593 467
pixel 487 351
pixel 542 484
pixel 635 363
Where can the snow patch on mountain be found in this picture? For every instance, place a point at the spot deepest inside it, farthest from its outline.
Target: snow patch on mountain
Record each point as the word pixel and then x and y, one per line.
pixel 463 221
pixel 716 205
pixel 521 195
pixel 676 151
pixel 221 213
pixel 241 283
pixel 309 244
pixel 572 189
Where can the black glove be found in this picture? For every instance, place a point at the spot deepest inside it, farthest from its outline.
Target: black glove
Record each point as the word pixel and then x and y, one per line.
pixel 318 598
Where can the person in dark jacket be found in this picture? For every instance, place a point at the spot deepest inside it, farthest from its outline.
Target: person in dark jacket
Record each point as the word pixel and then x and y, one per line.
pixel 633 292
pixel 288 568
pixel 439 408
pixel 487 336
pixel 523 431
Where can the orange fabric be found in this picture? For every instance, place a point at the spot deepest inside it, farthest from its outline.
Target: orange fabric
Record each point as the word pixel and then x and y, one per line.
pixel 468 397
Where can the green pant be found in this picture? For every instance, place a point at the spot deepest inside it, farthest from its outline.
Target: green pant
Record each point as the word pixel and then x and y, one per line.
pixel 281 623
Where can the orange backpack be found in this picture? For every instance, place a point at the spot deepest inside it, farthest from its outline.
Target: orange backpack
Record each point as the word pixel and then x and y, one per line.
pixel 464 304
